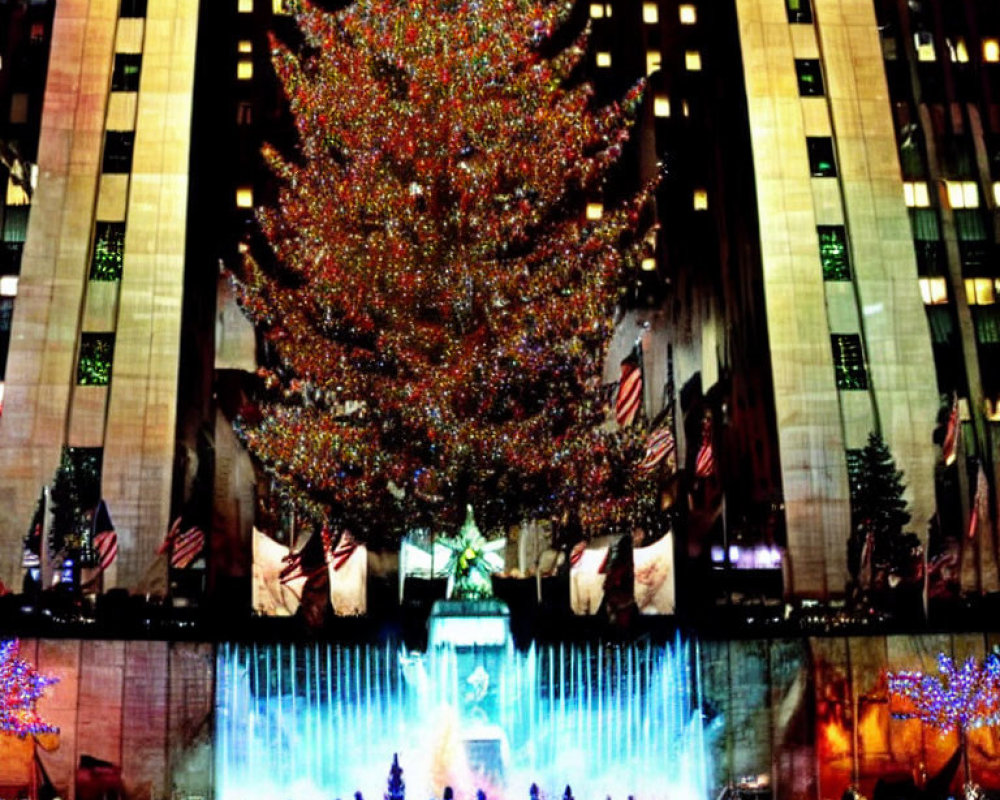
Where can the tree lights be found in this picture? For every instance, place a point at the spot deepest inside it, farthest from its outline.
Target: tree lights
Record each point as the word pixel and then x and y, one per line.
pixel 436 304
pixel 20 689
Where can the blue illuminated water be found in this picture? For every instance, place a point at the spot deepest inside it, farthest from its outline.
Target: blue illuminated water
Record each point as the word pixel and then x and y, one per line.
pixel 319 721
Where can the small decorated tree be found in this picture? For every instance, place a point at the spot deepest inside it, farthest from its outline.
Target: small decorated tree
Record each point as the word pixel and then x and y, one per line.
pixel 396 789
pixel 20 689
pixel 962 699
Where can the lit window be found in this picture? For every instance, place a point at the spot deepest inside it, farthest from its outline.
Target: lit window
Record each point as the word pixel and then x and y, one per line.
pixel 244 69
pixel 963 194
pixel 108 256
pixel 924 43
pixel 916 195
pixel 652 61
pixel 687 14
pixel 280 7
pixel 244 46
pixel 96 352
pixel 996 192
pixel 959 52
pixel 692 60
pixel 821 161
pixel 597 10
pixel 16 194
pixel 603 59
pixel 991 50
pixel 685 108
pixel 661 108
pixel 649 264
pixel 244 6
pixel 933 291
pixel 244 197
pixel 980 291
pixel 8 285
pixel 607 9
pixel 849 361
pixel 650 13
pixel 833 253
pixel 700 200
pixel 1 397
pixel 810 77
pixel 595 210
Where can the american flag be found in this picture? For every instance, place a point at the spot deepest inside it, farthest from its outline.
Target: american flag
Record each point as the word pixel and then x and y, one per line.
pixel 660 445
pixel 187 547
pixel 105 538
pixel 629 390
pixel 949 447
pixel 308 562
pixel 343 551
pixel 704 462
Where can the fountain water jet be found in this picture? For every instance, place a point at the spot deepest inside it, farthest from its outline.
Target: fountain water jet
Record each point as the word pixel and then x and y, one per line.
pixel 323 721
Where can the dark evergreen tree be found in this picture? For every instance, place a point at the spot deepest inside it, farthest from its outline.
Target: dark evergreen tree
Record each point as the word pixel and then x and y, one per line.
pixel 396 789
pixel 74 494
pixel 878 509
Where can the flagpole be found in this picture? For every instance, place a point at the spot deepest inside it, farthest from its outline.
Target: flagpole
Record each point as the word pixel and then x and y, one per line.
pixel 46 565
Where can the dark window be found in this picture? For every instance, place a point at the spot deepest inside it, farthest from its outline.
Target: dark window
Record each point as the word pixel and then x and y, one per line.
pixel 118 151
pixel 821 162
pixel 970 225
pixel 84 467
pixel 799 10
pixel 10 257
pixel 930 258
pixel 109 249
pixel 244 113
pixel 15 223
pixel 94 366
pixel 6 314
pixel 849 361
pixel 833 253
pixel 986 320
pixel 924 223
pixel 125 77
pixel 810 77
pixel 977 258
pixel 133 8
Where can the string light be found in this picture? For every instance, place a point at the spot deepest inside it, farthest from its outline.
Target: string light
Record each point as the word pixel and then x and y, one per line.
pixel 436 329
pixel 20 689
pixel 961 699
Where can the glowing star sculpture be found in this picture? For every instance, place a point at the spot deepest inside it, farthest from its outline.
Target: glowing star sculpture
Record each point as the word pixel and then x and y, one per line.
pixel 20 688
pixel 434 300
pixel 962 699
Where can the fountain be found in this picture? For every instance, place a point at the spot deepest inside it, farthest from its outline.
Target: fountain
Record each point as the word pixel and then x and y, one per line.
pixel 323 721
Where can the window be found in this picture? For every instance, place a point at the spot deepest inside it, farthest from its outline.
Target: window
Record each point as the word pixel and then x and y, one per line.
pixel 94 366
pixel 118 151
pixel 833 253
pixel 595 210
pixel 10 257
pixel 244 113
pixel 244 6
pixel 125 76
pixel 810 77
pixel 687 13
pixel 600 10
pixel 963 194
pixel 244 69
pixel 991 50
pixel 970 225
pixel 996 193
pixel 692 60
pixel 798 10
pixel 36 34
pixel 603 59
pixel 700 200
pixel 652 61
pixel 848 361
pixel 648 264
pixel 133 8
pixel 821 163
pixel 16 193
pixel 958 51
pixel 244 197
pixel 923 43
pixel 980 291
pixel 916 195
pixel 661 108
pixel 109 251
pixel 933 291
pixel 6 316
pixel 650 13
pixel 280 7
pixel 18 108
pixel 8 285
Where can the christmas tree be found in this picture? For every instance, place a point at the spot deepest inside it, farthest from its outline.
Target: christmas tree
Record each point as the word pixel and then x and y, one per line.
pixel 434 300
pixel 20 689
pixel 878 512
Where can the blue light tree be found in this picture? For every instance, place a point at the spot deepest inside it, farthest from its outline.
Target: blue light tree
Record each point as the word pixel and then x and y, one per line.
pixel 20 689
pixel 962 699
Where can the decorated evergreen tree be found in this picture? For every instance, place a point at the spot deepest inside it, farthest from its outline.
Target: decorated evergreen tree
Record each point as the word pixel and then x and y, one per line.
pixel 434 302
pixel 878 511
